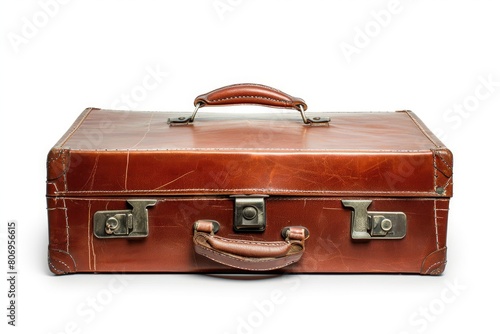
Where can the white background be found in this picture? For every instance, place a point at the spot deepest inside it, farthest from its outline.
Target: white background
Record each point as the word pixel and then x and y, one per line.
pixel 431 57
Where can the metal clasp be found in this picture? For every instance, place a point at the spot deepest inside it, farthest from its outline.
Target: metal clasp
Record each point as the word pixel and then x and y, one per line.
pixel 373 224
pixel 124 223
pixel 249 213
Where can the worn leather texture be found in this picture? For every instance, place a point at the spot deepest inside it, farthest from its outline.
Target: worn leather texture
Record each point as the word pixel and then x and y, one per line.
pixel 108 156
pixel 124 153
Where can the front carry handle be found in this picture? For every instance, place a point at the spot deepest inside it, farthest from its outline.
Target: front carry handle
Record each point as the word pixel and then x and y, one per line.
pixel 250 94
pixel 249 254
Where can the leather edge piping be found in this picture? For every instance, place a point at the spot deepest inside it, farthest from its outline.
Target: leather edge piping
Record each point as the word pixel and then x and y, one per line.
pixel 76 124
pixel 60 262
pixel 435 263
pixel 424 129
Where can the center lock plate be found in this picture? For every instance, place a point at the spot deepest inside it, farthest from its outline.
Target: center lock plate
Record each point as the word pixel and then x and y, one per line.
pixel 249 213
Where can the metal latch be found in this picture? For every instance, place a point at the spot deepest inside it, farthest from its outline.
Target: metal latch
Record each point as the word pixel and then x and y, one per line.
pixel 124 223
pixel 249 213
pixel 373 224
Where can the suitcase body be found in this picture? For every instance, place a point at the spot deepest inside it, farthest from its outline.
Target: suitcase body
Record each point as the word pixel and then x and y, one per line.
pixel 230 193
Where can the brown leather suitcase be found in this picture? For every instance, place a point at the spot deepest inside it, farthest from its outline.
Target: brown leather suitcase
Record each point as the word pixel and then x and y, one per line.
pixel 281 192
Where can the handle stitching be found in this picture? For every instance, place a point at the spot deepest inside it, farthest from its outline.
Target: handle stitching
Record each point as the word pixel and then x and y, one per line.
pixel 258 243
pixel 250 96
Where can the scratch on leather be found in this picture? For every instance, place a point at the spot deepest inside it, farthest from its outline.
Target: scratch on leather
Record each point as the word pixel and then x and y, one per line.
pixel 91 177
pixel 176 179
pixel 146 133
pixel 339 255
pixel 67 224
pixel 126 168
pixel 436 225
pixel 90 241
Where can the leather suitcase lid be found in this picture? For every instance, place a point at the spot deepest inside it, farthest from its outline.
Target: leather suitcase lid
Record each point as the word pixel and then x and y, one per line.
pixel 128 153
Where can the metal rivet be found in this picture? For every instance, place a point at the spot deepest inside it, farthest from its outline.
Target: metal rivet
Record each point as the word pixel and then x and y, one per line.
pixel 440 190
pixel 181 118
pixel 249 212
pixel 386 224
pixel 111 225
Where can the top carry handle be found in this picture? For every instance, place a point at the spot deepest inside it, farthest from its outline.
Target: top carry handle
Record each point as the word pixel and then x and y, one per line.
pixel 249 94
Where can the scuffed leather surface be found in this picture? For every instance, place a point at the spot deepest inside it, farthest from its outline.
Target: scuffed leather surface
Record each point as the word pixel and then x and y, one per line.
pixel 136 153
pixel 108 156
pixel 169 246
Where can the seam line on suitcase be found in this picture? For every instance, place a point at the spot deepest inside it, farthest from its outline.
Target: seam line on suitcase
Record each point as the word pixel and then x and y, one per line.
pixel 449 171
pixel 65 177
pixel 65 209
pixel 434 265
pixel 247 189
pixel 436 154
pixel 223 149
pixel 63 159
pixel 421 128
pixel 278 198
pixel 53 267
pixel 436 225
pixel 52 260
pixel 443 160
pixel 61 262
pixel 435 170
pixel 76 127
pixel 59 153
pixel 67 224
